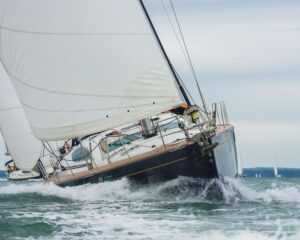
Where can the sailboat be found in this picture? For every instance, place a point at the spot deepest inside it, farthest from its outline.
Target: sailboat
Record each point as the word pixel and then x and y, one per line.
pixel 276 174
pixel 95 75
pixel 23 148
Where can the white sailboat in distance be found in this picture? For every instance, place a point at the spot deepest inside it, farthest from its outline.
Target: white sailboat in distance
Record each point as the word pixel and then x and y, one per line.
pixel 20 144
pixel 276 172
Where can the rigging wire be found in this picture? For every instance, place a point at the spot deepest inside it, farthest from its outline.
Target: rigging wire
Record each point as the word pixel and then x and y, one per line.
pixel 182 49
pixel 189 58
pixel 182 83
pixel 176 35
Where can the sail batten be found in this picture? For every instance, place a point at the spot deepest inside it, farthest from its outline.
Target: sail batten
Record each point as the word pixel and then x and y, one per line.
pixel 10 108
pixel 81 67
pixel 72 33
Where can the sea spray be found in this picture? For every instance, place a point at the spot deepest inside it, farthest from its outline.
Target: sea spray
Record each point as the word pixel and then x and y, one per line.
pixel 182 188
pixel 183 208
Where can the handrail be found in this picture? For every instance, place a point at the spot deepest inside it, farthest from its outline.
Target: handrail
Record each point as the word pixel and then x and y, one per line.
pixel 218 116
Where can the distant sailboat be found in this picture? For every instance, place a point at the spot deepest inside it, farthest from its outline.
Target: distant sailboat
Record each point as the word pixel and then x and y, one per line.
pixel 276 174
pixel 257 175
pixel 100 79
pixel 20 144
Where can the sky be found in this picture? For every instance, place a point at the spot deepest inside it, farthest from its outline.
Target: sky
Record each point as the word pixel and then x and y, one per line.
pixel 247 54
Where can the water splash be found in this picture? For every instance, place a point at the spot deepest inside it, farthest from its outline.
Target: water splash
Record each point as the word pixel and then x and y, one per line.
pixel 182 188
pixel 184 208
pixel 245 235
pixel 217 235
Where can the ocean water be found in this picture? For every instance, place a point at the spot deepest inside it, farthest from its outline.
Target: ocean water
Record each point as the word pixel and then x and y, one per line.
pixel 184 208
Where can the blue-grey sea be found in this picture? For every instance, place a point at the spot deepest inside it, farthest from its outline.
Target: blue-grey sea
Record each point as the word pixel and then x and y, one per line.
pixel 184 208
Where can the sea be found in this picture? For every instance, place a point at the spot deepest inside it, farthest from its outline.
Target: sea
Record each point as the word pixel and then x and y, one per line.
pixel 183 208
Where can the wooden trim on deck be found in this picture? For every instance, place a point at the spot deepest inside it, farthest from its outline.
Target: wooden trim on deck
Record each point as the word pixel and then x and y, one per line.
pixel 122 163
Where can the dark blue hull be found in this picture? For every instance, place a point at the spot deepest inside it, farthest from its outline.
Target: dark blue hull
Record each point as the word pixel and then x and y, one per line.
pixel 189 160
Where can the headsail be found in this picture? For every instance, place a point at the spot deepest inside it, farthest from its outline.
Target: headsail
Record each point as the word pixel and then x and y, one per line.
pixel 80 67
pixel 20 142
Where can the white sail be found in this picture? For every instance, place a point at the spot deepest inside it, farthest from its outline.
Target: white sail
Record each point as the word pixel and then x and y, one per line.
pixel 21 144
pixel 275 171
pixel 7 151
pixel 83 66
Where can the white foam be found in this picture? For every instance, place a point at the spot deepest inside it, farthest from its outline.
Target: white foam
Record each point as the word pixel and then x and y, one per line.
pixel 236 189
pixel 177 189
pixel 114 211
pixel 83 193
pixel 242 235
pixel 287 194
pixel 216 236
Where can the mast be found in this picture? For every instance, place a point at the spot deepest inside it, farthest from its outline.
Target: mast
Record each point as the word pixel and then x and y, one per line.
pixel 181 88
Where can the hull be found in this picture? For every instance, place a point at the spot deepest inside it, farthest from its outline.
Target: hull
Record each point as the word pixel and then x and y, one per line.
pixel 219 163
pixel 225 153
pixel 21 176
pixel 23 179
pixel 188 159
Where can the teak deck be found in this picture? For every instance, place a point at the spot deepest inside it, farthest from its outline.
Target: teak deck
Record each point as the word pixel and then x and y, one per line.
pixel 118 164
pixel 168 148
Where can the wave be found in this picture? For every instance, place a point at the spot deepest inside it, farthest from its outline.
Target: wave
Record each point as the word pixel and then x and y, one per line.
pixel 214 235
pixel 180 189
pixel 88 192
pixel 183 208
pixel 244 235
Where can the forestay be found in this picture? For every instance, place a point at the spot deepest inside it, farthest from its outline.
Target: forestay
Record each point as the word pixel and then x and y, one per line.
pixel 83 66
pixel 21 144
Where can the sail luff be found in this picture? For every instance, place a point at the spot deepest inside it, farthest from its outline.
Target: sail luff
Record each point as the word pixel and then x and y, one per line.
pixel 97 68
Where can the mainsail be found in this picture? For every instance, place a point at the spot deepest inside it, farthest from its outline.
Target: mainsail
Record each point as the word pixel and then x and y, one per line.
pixel 83 66
pixel 22 146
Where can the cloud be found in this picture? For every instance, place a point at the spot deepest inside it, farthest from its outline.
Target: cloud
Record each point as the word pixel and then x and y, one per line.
pixel 247 37
pixel 262 144
pixel 246 53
